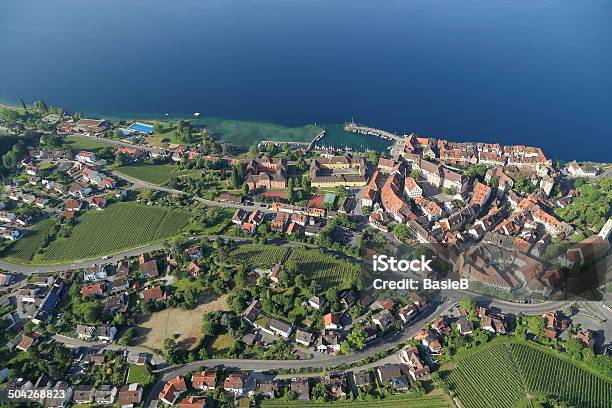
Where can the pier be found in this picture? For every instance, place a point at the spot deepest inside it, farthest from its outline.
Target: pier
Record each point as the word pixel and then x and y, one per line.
pixel 318 137
pixel 367 130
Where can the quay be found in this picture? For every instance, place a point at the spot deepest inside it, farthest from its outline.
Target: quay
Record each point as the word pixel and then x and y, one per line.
pixel 308 146
pixel 367 130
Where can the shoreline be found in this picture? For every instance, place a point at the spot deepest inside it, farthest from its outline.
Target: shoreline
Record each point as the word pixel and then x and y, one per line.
pixel 207 120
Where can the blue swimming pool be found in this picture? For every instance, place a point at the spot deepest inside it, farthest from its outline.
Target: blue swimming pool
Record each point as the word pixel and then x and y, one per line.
pixel 141 127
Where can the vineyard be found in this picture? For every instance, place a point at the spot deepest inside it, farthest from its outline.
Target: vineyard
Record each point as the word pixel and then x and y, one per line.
pixel 313 264
pixel 264 256
pixel 25 249
pixel 503 374
pixel 404 401
pixel 121 226
pixel 325 269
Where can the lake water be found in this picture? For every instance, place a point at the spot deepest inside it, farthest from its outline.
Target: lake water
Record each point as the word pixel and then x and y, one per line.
pixel 512 71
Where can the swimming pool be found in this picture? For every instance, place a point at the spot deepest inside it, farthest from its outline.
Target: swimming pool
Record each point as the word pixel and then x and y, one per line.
pixel 141 127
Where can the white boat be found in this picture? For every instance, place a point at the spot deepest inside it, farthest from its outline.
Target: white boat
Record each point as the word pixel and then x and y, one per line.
pixel 196 114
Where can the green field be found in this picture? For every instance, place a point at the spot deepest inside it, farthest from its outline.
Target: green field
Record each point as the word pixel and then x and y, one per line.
pixel 154 173
pixel 139 374
pixel 25 249
pixel 245 133
pixel 83 143
pixel 399 401
pixel 119 227
pixel 264 256
pixel 325 269
pixel 503 374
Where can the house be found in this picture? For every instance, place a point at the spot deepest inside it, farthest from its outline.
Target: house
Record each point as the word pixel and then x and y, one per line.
pixel 194 269
pixel 85 332
pixel 465 326
pixel 86 157
pixel 411 188
pixel 6 279
pixel 194 252
pixel 481 194
pixel 94 289
pixel 267 388
pixel 251 313
pixel 335 385
pixel 410 356
pixel 492 324
pixel 239 216
pixel 388 371
pixel 105 394
pixel 275 273
pixel 172 390
pixel 28 341
pixel 60 395
pixel 205 380
pixel 149 268
pixel 83 394
pixel 585 338
pixel 237 384
pixel 331 321
pixel 120 284
pixel 97 203
pixel 408 312
pixel 131 153
pixel 91 125
pixel 578 170
pixel 303 337
pixel 95 273
pixel 383 319
pixel 106 333
pixel 129 395
pixel 79 190
pixel 193 402
pixel 328 342
pixel 152 293
pixel 362 378
pixel 281 328
pixel 316 302
pixel 300 388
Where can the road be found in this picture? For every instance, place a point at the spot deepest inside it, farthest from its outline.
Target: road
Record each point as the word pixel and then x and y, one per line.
pixel 329 362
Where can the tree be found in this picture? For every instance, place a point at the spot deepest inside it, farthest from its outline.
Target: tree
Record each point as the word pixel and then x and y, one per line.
pixel 357 338
pixel 41 106
pixel 245 189
pixel 23 104
pixel 468 304
pixel 319 392
pixel 535 325
pixel 290 191
pixel 401 232
pixel 127 337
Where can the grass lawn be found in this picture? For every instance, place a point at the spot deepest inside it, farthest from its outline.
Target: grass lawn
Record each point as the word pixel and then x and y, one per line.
pixel 82 143
pixel 25 249
pixel 222 342
pixel 184 325
pixel 119 227
pixel 155 173
pixel 139 374
pixel 246 133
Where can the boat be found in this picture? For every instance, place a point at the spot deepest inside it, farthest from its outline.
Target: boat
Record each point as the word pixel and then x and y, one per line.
pixel 196 114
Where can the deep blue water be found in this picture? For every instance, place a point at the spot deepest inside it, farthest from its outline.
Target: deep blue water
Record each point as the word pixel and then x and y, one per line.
pixel 513 71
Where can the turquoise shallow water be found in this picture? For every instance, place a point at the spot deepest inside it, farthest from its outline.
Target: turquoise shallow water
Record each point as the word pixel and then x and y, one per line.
pixel 515 72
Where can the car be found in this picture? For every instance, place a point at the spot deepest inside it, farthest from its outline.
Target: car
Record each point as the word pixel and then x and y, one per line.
pixel 105 257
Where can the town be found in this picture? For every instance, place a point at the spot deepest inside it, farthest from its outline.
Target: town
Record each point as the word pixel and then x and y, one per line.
pixel 150 264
